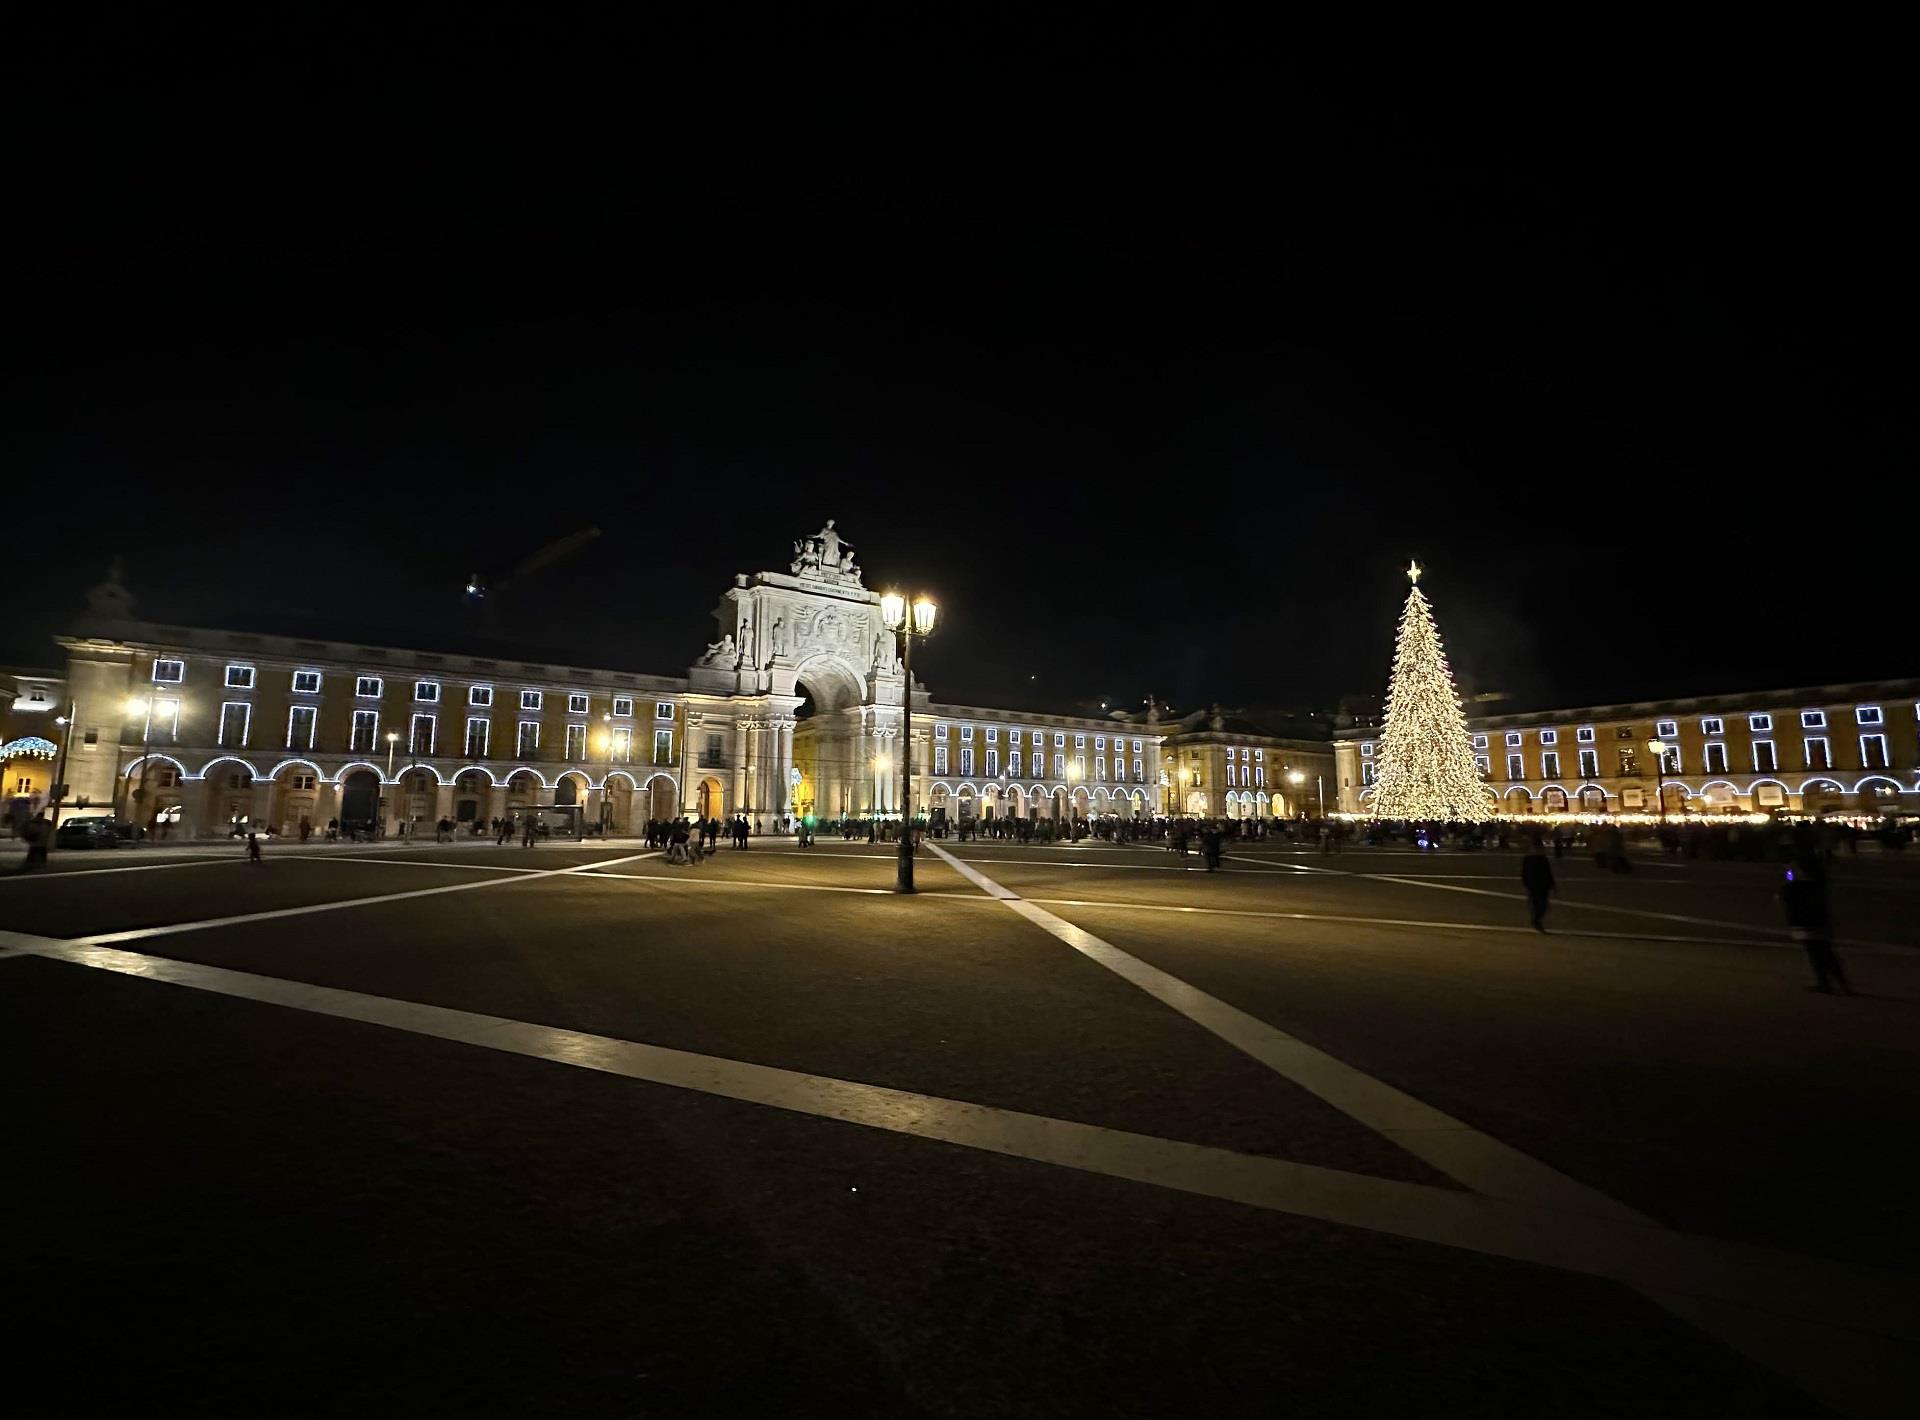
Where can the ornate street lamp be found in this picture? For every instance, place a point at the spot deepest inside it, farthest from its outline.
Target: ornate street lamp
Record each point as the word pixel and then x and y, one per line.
pixel 893 611
pixel 1658 749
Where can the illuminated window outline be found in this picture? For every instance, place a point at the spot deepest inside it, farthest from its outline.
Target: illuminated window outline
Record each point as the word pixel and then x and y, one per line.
pixel 369 718
pixel 479 736
pixel 361 682
pixel 1868 715
pixel 313 681
pixel 294 712
pixel 1813 719
pixel 1709 766
pixel 1549 737
pixel 1713 725
pixel 1589 763
pixel 578 702
pixel 426 692
pixel 480 696
pixel 179 668
pixel 1772 766
pixel 1480 741
pixel 1760 723
pixel 530 699
pixel 246 722
pixel 618 702
pixel 243 669
pixel 1826 751
pixel 1513 739
pixel 522 749
pixel 413 732
pixel 1550 764
pixel 1584 735
pixel 1667 729
pixel 1868 760
pixel 663 709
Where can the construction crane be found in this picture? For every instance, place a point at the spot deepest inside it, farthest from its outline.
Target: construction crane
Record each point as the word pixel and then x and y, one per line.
pixel 482 585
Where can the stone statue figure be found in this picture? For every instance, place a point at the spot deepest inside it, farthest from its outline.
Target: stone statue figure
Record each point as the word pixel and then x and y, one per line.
pixel 830 547
pixel 719 652
pixel 746 640
pixel 779 636
pixel 825 553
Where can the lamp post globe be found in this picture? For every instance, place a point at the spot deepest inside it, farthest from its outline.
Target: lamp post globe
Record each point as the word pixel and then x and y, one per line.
pixel 1658 749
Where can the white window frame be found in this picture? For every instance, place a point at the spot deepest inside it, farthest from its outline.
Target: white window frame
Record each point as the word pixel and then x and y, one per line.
pixel 1550 764
pixel 413 732
pixel 1059 738
pixel 578 703
pixel 1479 741
pixel 1760 723
pixel 1706 760
pixel 1549 737
pixel 520 739
pixel 431 689
pixel 312 712
pixel 246 722
pixel 620 700
pixel 1059 765
pixel 939 759
pixel 993 762
pixel 940 730
pixel 244 669
pixel 966 734
pixel 1100 767
pixel 1667 730
pixel 1813 719
pixel 1136 746
pixel 1589 764
pixel 361 682
pixel 1366 750
pixel 314 689
pixel 1868 715
pixel 1826 751
pixel 1713 725
pixel 1513 739
pixel 966 761
pixel 1516 767
pixel 531 699
pixel 179 668
pixel 480 697
pixel 657 735
pixel 1013 736
pixel 1099 741
pixel 1584 735
pixel 1138 777
pixel 1015 759
pixel 1886 760
pixel 485 722
pixel 568 752
pixel 373 732
pixel 623 743
pixel 1079 741
pixel 663 709
pixel 1484 764
pixel 1772 753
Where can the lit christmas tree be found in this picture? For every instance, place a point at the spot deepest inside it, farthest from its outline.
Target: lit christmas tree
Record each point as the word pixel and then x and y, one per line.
pixel 1424 768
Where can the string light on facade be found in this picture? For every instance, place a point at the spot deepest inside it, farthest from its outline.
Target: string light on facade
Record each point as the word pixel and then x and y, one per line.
pixel 1425 763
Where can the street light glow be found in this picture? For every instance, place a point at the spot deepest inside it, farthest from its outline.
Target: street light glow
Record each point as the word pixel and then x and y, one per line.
pixel 923 613
pixel 893 609
pixel 136 706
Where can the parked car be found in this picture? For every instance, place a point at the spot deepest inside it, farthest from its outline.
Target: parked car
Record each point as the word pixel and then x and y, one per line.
pixel 87 833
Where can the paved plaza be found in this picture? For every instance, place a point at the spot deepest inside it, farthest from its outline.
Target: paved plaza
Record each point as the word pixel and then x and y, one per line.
pixel 1074 1131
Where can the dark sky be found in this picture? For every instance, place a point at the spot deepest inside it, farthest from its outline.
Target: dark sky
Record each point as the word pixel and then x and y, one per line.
pixel 1154 372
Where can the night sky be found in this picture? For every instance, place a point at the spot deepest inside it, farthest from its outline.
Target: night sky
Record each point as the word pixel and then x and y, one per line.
pixel 1154 376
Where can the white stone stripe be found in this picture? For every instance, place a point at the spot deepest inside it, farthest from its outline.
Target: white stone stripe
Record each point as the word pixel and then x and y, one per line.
pixel 1876 1304
pixel 170 929
pixel 1456 1149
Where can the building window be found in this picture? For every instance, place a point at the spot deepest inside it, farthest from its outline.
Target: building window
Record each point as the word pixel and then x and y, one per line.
pixel 300 722
pixel 480 696
pixel 306 682
pixel 1818 755
pixel 939 759
pixel 529 700
pixel 1667 730
pixel 239 677
pixel 1484 764
pixel 1670 761
pixel 1589 764
pixel 1584 735
pixel 1059 766
pixel 966 734
pixel 1100 766
pixel 427 692
pixel 940 731
pixel 966 761
pixel 528 744
pixel 993 763
pixel 1138 777
pixel 301 781
pixel 169 672
pixel 620 746
pixel 663 710
pixel 367 686
pixel 1099 741
pixel 622 706
pixel 1136 746
pixel 1079 741
pixel 365 732
pixel 1550 764
pixel 576 748
pixel 1867 714
pixel 1762 723
pixel 1479 741
pixel 1629 762
pixel 478 732
pixel 1366 751
pixel 714 756
pixel 1516 767
pixel 1763 757
pixel 1013 737
pixel 236 717
pixel 1058 739
pixel 993 734
pixel 663 746
pixel 420 735
pixel 576 703
pixel 1366 774
pixel 1813 719
pixel 1713 725
pixel 1716 758
pixel 240 780
pixel 1549 737
pixel 1013 762
pixel 1513 739
pixel 1873 751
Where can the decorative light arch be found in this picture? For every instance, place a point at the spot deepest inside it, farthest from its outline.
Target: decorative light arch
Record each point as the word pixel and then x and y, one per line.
pixel 128 771
pixel 490 776
pixel 228 759
pixel 653 778
pixel 340 774
pixel 538 777
pixel 319 774
pixel 1823 781
pixel 632 783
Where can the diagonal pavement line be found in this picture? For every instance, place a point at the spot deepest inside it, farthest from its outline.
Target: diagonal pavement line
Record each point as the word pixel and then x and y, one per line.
pixel 172 928
pixel 52 875
pixel 1844 1372
pixel 427 863
pixel 1842 1369
pixel 1461 1152
pixel 692 882
pixel 1873 1303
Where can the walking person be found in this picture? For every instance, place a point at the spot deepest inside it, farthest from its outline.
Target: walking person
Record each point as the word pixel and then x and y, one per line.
pixel 1536 878
pixel 526 840
pixel 253 846
pixel 1804 897
pixel 36 831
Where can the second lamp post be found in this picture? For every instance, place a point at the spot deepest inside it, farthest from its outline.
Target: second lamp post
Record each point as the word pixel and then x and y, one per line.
pixel 893 611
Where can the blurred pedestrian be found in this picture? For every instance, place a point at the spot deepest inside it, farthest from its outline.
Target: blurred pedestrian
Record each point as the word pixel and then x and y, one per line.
pixel 253 846
pixel 1805 898
pixel 36 831
pixel 1536 878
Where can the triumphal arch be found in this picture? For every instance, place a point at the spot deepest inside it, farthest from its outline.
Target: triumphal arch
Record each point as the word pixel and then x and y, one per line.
pixel 797 707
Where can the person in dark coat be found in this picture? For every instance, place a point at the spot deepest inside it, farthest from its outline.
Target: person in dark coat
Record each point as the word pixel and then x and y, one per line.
pixel 36 831
pixel 1805 899
pixel 1536 878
